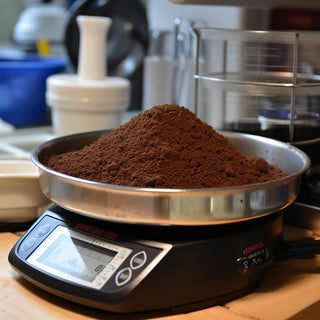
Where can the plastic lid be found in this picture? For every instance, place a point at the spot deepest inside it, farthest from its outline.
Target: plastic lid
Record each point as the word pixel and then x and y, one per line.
pixel 68 87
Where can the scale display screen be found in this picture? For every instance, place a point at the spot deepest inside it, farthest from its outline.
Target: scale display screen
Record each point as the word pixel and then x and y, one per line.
pixel 78 257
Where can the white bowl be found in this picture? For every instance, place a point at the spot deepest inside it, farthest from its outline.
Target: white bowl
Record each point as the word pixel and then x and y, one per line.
pixel 21 198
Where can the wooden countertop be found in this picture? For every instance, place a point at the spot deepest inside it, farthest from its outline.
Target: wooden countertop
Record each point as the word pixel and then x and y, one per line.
pixel 290 290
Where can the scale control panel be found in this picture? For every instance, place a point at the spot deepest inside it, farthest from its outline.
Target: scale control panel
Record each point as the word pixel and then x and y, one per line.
pixel 84 257
pixel 253 260
pixel 130 268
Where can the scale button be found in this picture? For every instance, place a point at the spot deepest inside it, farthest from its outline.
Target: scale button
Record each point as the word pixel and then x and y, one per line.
pixel 43 230
pixel 28 244
pixel 123 276
pixel 138 260
pixel 243 263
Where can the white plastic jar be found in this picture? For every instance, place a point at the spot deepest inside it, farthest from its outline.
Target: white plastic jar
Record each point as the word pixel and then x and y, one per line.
pixel 78 106
pixel 89 100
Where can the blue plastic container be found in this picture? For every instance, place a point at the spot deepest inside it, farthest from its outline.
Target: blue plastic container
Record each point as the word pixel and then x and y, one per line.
pixel 23 86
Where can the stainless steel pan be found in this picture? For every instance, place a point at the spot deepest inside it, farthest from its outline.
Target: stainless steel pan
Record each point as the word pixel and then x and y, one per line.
pixel 175 206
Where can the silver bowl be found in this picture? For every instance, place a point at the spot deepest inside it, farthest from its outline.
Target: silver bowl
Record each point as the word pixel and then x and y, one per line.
pixel 206 206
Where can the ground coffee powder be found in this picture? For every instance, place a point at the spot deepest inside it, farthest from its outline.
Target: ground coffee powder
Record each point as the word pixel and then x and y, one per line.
pixel 164 147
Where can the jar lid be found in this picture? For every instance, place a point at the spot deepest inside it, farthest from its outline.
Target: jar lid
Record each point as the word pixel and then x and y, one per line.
pixel 69 87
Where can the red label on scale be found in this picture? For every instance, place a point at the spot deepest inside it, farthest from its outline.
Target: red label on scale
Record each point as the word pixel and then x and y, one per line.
pixel 253 248
pixel 96 231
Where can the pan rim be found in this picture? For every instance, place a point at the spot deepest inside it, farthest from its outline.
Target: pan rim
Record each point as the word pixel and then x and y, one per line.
pixel 304 157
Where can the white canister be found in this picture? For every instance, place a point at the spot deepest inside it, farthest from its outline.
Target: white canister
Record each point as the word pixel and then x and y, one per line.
pixel 89 100
pixel 78 106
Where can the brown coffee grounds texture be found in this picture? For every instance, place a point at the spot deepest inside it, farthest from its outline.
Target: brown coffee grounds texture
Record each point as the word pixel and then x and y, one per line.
pixel 166 146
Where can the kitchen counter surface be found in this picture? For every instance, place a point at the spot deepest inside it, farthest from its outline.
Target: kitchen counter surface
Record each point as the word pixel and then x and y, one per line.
pixel 290 290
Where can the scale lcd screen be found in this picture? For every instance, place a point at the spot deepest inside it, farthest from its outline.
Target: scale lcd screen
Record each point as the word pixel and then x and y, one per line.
pixel 79 258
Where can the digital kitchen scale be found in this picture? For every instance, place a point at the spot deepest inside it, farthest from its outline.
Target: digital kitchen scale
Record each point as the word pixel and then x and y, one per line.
pixel 131 249
pixel 130 267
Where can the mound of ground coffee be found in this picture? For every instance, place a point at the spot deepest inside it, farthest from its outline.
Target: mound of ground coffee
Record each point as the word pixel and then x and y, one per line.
pixel 164 147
